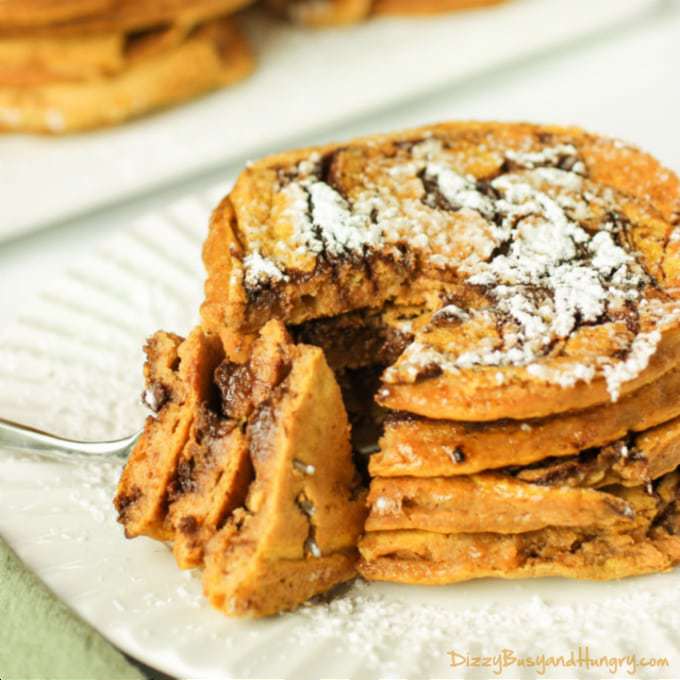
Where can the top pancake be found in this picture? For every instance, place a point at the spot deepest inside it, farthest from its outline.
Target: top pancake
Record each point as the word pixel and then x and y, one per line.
pixel 547 259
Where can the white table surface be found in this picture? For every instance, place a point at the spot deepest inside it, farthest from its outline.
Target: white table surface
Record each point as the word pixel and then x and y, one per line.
pixel 622 83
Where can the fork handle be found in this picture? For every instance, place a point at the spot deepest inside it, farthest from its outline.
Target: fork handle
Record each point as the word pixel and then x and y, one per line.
pixel 14 435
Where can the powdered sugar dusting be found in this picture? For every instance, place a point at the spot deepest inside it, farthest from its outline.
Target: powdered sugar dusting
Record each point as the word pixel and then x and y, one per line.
pixel 551 155
pixel 340 228
pixel 260 270
pixel 323 221
pixel 552 273
pixel 643 348
pixel 297 213
pixel 407 208
pixel 547 276
pixel 448 312
pixel 459 191
pixel 565 376
pixel 546 246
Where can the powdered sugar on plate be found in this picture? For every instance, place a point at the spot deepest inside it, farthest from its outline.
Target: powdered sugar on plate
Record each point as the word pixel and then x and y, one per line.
pixel 399 637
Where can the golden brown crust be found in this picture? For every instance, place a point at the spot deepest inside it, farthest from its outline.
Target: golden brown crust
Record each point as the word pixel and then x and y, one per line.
pixel 602 558
pixel 155 75
pixel 430 558
pixel 220 249
pixel 477 393
pixel 623 167
pixel 34 62
pixel 632 461
pixel 427 448
pixel 29 62
pixel 488 503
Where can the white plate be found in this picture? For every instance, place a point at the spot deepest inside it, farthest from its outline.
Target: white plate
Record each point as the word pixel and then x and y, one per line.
pixel 72 363
pixel 306 81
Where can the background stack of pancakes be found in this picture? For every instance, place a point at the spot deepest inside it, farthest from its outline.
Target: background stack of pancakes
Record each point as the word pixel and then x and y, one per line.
pixel 76 64
pixel 68 65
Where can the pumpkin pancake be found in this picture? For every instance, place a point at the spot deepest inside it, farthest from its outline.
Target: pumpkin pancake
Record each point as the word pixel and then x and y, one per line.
pixel 509 292
pixel 421 557
pixel 29 62
pixel 549 493
pixel 631 461
pixel 414 446
pixel 157 74
pixel 214 470
pixel 553 268
pixel 118 17
pixel 488 502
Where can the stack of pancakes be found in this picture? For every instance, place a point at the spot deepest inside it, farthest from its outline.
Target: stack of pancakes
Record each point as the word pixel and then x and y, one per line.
pixel 77 64
pixel 500 305
pixel 332 12
pixel 590 494
pixel 519 288
pixel 69 65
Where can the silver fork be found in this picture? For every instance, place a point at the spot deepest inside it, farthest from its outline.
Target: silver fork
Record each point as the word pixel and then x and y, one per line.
pixel 16 436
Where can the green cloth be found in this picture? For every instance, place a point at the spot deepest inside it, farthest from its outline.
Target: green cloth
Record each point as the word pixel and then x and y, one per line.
pixel 42 639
